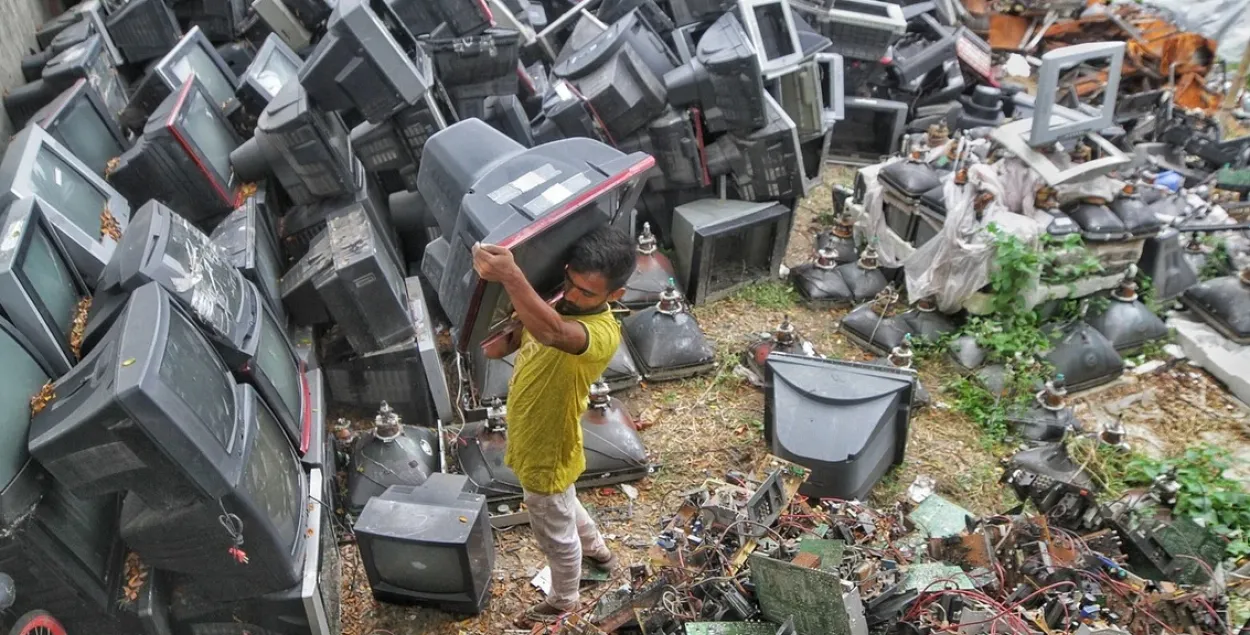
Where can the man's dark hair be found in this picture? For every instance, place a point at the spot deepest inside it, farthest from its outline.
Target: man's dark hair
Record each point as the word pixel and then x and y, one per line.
pixel 606 251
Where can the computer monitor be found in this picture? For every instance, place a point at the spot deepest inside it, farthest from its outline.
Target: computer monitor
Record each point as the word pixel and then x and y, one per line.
pixel 246 241
pixel 565 189
pixel 153 411
pixel 430 544
pixel 144 30
pixel 306 148
pixel 183 157
pixel 275 64
pixel 81 121
pixel 40 290
pixel 722 245
pixel 88 60
pixel 724 78
pixel 367 62
pixel 88 214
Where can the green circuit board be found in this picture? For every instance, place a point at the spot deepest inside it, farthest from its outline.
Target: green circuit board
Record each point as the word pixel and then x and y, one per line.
pixel 731 628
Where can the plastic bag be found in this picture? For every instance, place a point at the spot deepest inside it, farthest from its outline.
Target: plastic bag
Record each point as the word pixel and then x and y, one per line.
pixel 956 263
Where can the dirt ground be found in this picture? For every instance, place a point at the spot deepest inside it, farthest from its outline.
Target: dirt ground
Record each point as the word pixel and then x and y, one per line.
pixel 701 427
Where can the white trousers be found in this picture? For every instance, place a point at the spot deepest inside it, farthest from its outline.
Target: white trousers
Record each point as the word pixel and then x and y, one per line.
pixel 564 532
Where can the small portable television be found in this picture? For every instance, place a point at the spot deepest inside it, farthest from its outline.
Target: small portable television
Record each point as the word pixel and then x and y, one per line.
pixel 429 544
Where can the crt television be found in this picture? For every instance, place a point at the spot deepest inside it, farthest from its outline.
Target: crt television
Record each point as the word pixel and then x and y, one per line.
pixel 163 248
pixel 429 544
pixel 307 149
pixel 193 55
pixel 63 552
pixel 183 157
pixel 154 412
pixel 88 214
pixel 40 291
pixel 275 64
pixel 88 60
pixel 246 241
pixel 722 245
pixel 367 61
pixel 81 121
pixel 536 201
pixel 144 30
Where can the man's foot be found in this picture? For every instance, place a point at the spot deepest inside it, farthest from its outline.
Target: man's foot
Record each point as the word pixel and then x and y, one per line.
pixel 544 613
pixel 605 564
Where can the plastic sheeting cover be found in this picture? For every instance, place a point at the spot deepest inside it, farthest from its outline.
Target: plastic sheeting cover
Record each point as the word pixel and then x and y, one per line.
pixel 1224 21
pixel 956 263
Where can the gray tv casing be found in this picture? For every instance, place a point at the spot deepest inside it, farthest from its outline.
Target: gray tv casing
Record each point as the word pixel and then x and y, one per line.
pixel 89 252
pixel 782 64
pixel 194 38
pixel 50 115
pixel 251 93
pixel 695 223
pixel 1045 130
pixel 355 25
pixel 20 223
pixel 282 22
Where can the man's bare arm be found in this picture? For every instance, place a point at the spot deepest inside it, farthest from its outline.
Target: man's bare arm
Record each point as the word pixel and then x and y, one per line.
pixel 542 321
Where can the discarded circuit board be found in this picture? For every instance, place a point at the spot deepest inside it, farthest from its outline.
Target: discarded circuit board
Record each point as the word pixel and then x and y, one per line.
pixel 811 596
pixel 830 552
pixel 937 517
pixel 931 576
pixel 730 628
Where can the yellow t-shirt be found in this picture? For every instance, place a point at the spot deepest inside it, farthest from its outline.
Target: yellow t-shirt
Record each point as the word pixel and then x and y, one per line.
pixel 547 395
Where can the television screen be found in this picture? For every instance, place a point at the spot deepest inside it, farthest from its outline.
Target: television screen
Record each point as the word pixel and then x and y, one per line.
pixel 80 120
pixel 86 212
pixel 195 55
pixel 277 365
pixel 24 377
pixel 68 191
pixel 272 476
pixel 413 566
pixel 209 132
pixel 192 371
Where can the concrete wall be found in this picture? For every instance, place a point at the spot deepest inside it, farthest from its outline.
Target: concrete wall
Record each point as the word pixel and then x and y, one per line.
pixel 18 19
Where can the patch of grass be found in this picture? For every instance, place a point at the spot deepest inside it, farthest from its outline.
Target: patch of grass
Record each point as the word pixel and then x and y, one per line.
pixel 775 295
pixel 1206 496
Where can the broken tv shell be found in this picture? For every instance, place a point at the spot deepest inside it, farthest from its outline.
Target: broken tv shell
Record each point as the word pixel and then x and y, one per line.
pixel 846 422
pixel 723 245
pixel 724 79
pixel 870 129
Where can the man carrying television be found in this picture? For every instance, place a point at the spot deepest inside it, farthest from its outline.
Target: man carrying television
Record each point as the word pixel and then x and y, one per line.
pixel 561 350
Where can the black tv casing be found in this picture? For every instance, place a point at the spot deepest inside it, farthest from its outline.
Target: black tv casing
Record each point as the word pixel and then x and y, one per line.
pixel 299 292
pixel 364 291
pixel 144 30
pixel 442 512
pixel 189 538
pixel 246 240
pixel 166 164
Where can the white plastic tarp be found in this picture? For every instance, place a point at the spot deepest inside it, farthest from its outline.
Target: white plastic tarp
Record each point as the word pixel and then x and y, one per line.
pixel 1225 21
pixel 956 263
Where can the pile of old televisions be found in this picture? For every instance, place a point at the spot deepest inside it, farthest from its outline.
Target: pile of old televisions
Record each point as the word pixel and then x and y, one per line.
pixel 226 224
